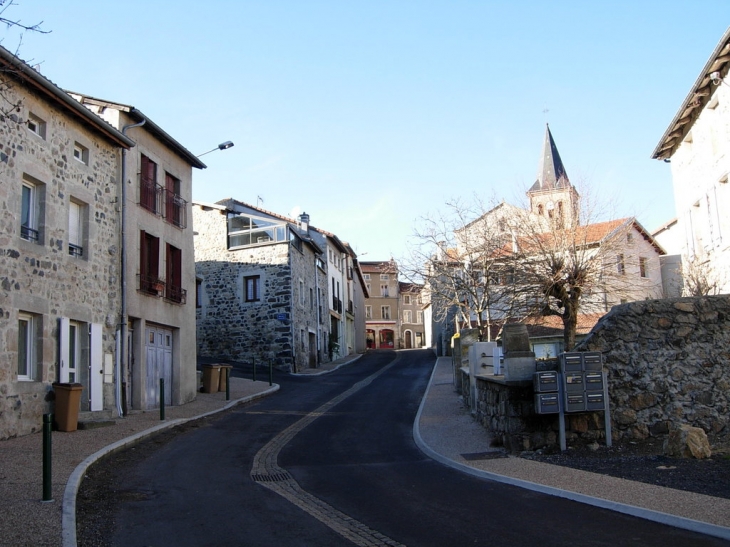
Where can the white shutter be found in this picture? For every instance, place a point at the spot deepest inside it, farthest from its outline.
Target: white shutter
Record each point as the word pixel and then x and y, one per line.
pixel 74 224
pixel 96 382
pixel 63 349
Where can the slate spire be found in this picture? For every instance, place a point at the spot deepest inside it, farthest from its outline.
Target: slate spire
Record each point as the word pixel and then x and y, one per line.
pixel 551 173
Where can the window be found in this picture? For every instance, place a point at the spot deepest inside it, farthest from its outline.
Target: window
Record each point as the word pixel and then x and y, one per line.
pixel 246 230
pixel 620 266
pixel 26 346
pixel 149 264
pixel 368 312
pixel 406 299
pixel 148 185
pixel 74 351
pixel 302 298
pixel 384 290
pixel 366 277
pixel 369 287
pixel 36 125
pixel 385 312
pixel 643 266
pixel 407 316
pixel 295 241
pixel 198 292
pixel 175 205
pixel 384 277
pixel 419 317
pixel 81 153
pixel 173 288
pixel 29 212
pixel 252 288
pixel 76 217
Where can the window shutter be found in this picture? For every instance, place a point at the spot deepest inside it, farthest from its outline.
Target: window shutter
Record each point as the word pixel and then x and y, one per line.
pixel 63 349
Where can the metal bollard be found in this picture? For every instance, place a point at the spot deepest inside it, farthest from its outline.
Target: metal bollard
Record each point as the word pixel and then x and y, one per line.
pixel 271 373
pixel 47 482
pixel 162 399
pixel 254 369
pixel 228 384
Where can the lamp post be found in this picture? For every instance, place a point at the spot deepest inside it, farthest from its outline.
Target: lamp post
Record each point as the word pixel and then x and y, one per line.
pixel 222 146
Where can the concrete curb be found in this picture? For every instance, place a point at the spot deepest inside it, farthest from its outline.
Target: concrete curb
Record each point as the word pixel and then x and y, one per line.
pixel 640 512
pixel 320 373
pixel 68 517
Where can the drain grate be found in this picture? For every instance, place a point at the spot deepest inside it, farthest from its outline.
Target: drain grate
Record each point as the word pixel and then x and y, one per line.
pixel 484 455
pixel 276 477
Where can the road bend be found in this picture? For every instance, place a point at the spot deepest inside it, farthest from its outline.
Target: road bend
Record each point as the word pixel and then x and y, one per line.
pixel 330 461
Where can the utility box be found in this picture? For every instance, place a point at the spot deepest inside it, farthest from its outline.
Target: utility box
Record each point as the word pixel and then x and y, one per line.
pixel 547 403
pixel 545 381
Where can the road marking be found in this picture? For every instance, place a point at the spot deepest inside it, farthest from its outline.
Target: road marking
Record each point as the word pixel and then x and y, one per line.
pixel 267 473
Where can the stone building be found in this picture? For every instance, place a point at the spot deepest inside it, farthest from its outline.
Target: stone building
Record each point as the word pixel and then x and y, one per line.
pixel 262 287
pixel 382 307
pixel 696 145
pixel 412 332
pixel 346 289
pixel 158 339
pixel 59 249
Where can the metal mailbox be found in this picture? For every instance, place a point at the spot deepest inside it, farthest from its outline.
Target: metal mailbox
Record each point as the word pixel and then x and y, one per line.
pixel 574 382
pixel 545 381
pixel 592 361
pixel 594 381
pixel 575 402
pixel 547 403
pixel 571 362
pixel 595 401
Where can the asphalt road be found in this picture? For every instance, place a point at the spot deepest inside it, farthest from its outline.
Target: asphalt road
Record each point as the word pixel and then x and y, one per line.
pixel 329 461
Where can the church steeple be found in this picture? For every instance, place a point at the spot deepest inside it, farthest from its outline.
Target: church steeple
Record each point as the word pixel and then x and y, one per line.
pixel 551 173
pixel 552 195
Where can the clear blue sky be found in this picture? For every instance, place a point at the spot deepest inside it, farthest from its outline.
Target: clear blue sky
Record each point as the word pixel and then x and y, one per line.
pixel 370 114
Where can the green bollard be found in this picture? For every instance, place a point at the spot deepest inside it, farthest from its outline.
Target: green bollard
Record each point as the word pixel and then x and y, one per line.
pixel 162 399
pixel 254 369
pixel 271 373
pixel 47 482
pixel 228 384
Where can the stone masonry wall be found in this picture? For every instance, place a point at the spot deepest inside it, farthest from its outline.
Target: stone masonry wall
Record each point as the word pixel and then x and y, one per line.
pixel 668 363
pixel 41 278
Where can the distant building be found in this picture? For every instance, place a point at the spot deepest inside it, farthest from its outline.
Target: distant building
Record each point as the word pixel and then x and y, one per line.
pixel 697 143
pixel 262 287
pixel 412 326
pixel 382 310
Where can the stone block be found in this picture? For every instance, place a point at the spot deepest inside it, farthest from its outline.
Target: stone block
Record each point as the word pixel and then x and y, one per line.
pixel 518 369
pixel 687 442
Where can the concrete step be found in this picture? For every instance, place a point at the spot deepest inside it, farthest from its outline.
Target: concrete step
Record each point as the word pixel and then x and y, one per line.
pixel 98 418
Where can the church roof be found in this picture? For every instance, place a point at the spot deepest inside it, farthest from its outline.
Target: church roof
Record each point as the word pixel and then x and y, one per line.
pixel 551 174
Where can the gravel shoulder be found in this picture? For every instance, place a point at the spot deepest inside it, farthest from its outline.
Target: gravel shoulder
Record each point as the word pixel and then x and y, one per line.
pixel 645 462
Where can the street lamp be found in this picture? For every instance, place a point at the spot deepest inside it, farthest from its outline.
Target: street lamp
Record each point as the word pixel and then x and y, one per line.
pixel 222 146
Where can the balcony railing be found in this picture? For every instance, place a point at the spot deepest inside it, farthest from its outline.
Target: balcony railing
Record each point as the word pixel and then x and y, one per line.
pixel 175 209
pixel 152 285
pixel 176 294
pixel 149 195
pixel 28 233
pixel 75 250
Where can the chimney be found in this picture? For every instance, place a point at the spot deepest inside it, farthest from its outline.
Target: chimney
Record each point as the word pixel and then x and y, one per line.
pixel 304 222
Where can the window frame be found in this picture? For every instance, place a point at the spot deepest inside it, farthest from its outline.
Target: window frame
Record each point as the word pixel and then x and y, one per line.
pixel 81 153
pixel 252 288
pixel 29 228
pixel 385 313
pixel 29 347
pixel 36 125
pixel 76 235
pixel 643 267
pixel 408 316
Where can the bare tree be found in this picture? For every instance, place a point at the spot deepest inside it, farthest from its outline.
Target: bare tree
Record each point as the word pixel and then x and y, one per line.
pixel 461 263
pixel 567 266
pixel 9 104
pixel 699 278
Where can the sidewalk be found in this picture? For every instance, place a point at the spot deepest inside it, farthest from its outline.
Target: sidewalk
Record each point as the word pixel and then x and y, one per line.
pixel 445 431
pixel 27 521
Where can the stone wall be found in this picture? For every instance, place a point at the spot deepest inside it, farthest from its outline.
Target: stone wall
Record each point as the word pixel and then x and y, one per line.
pixel 668 363
pixel 40 278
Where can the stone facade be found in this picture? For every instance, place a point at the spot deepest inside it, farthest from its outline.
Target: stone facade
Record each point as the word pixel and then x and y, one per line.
pixel 51 291
pixel 286 324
